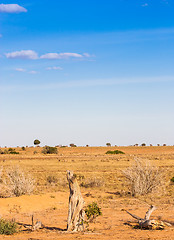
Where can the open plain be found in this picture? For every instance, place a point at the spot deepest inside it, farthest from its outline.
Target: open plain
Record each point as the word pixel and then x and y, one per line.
pixel 101 179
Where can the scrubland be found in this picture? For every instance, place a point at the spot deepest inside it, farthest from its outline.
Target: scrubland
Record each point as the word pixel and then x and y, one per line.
pixel 101 179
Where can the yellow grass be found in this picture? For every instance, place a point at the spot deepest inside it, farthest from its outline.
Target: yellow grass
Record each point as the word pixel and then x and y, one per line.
pixel 90 164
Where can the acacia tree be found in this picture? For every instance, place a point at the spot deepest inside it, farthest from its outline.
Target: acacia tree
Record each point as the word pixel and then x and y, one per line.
pixel 108 144
pixel 36 142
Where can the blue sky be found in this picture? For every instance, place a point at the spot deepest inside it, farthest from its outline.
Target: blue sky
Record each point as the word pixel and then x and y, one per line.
pixel 86 72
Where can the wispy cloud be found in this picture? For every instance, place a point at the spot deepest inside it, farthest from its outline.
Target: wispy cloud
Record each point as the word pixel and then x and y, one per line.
pixel 23 54
pixel 20 70
pixel 86 55
pixel 11 8
pixel 25 70
pixel 33 72
pixel 54 68
pixel 145 5
pixel 88 83
pixel 30 54
pixel 60 55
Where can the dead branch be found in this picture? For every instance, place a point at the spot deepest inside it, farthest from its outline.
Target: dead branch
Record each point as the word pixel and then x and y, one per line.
pixel 149 212
pixel 134 216
pixel 146 223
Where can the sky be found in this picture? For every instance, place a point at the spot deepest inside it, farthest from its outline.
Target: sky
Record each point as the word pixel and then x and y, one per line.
pixel 86 72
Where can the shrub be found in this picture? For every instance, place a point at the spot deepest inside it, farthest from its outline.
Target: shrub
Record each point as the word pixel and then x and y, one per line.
pixel 13 152
pixel 19 183
pixel 8 227
pixel 92 211
pixel 23 148
pixel 172 179
pixel 73 145
pixel 9 151
pixel 143 177
pixel 52 179
pixel 115 152
pixel 90 183
pixel 49 150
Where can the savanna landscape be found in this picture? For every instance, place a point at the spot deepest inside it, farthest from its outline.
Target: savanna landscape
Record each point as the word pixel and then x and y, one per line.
pixel 74 73
pixel 101 179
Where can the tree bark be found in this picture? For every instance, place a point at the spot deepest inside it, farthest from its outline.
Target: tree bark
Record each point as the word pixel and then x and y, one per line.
pixel 76 213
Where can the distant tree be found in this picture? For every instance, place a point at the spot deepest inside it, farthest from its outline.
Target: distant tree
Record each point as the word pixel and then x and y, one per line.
pixel 164 145
pixel 158 144
pixel 150 145
pixel 72 145
pixel 36 142
pixel 108 144
pixel 143 144
pixel 136 144
pixel 87 145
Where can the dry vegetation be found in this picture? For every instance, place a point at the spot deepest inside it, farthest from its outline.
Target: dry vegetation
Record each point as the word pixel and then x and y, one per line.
pixel 101 178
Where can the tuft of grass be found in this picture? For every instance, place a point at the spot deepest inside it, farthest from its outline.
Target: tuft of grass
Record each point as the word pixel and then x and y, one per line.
pixel 8 227
pixel 115 152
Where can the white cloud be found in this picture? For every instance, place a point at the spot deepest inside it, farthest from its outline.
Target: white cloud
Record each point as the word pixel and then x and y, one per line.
pixel 54 68
pixel 86 55
pixel 30 54
pixel 20 70
pixel 12 8
pixel 23 54
pixel 145 5
pixel 60 55
pixel 33 72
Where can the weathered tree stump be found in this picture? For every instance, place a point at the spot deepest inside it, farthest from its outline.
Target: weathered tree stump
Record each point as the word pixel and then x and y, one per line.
pixel 76 213
pixel 146 223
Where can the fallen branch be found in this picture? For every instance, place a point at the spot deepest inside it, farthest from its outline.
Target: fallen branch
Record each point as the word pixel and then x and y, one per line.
pixel 146 223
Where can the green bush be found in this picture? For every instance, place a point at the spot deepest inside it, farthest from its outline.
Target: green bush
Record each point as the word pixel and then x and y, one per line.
pixel 49 150
pixel 9 151
pixel 115 152
pixel 13 152
pixel 172 179
pixel 92 211
pixel 8 227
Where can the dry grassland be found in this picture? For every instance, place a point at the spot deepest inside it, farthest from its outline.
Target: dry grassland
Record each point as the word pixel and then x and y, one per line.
pixel 102 181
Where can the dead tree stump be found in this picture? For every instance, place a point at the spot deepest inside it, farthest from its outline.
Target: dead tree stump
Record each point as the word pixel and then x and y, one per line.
pixel 76 213
pixel 146 223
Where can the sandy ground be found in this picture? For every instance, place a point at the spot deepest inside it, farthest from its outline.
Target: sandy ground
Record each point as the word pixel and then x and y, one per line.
pixel 50 204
